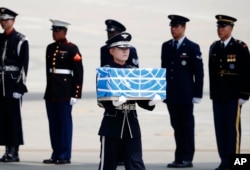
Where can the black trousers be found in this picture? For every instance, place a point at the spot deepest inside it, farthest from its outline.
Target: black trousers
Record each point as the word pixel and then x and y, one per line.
pixel 112 147
pixel 182 121
pixel 11 133
pixel 227 129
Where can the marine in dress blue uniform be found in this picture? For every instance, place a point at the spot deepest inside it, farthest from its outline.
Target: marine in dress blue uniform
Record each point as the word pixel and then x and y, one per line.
pixel 182 59
pixel 229 62
pixel 114 27
pixel 64 72
pixel 14 53
pixel 120 129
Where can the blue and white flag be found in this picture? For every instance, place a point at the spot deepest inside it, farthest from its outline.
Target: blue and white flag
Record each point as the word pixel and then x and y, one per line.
pixel 132 83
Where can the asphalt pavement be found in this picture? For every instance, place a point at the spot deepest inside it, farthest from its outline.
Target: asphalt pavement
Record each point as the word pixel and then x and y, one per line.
pixel 157 136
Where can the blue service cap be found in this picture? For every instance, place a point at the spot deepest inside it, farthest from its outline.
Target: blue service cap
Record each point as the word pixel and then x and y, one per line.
pixel 177 20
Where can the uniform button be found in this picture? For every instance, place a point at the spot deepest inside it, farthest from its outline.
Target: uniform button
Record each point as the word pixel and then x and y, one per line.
pixel 54 59
pixel 171 78
pixel 221 60
pixel 172 62
pixel 220 66
pixel 172 70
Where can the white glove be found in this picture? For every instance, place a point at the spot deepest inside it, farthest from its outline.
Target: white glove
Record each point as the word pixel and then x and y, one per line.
pixel 73 100
pixel 155 100
pixel 17 95
pixel 120 101
pixel 242 101
pixel 196 100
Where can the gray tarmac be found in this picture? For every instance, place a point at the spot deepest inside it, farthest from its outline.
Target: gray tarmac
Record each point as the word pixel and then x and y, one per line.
pixel 157 136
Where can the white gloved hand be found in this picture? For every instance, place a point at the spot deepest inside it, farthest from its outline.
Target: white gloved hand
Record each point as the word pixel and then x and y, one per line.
pixel 242 101
pixel 120 101
pixel 196 100
pixel 73 100
pixel 17 95
pixel 155 100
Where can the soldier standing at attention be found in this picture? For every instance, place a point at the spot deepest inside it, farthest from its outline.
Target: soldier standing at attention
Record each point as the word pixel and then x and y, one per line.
pixel 229 68
pixel 113 28
pixel 14 53
pixel 182 59
pixel 64 73
pixel 120 129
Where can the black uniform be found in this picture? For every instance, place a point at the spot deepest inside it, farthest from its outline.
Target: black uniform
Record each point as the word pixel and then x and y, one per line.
pixel 64 72
pixel 14 53
pixel 120 130
pixel 229 81
pixel 185 81
pixel 14 50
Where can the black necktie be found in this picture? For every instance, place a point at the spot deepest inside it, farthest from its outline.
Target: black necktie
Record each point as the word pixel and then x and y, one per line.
pixel 222 45
pixel 175 45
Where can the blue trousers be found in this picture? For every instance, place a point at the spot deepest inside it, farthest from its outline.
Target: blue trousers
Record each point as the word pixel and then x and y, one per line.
pixel 183 123
pixel 60 129
pixel 227 129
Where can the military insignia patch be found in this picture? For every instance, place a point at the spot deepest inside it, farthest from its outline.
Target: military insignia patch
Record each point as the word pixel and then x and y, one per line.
pixel 77 57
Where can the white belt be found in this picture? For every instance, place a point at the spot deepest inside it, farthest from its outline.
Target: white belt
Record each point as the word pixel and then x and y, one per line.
pixel 60 71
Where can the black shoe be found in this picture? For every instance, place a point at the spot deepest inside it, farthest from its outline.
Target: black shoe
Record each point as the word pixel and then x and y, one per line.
pixel 49 161
pixel 120 163
pixel 4 157
pixel 62 161
pixel 183 164
pixel 11 158
pixel 219 168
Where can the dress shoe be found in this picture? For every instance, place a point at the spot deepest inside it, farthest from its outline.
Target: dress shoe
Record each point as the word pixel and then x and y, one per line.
pixel 49 161
pixel 183 164
pixel 10 158
pixel 120 163
pixel 4 157
pixel 62 161
pixel 220 168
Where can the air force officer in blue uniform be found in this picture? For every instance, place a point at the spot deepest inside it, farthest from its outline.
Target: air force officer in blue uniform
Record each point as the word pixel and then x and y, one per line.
pixel 182 59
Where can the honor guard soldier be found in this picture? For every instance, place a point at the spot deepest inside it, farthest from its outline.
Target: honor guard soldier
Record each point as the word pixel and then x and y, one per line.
pixel 113 28
pixel 183 62
pixel 14 53
pixel 64 72
pixel 120 129
pixel 229 62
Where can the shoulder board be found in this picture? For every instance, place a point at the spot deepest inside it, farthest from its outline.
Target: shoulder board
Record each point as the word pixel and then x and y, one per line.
pixel 240 43
pixel 20 36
